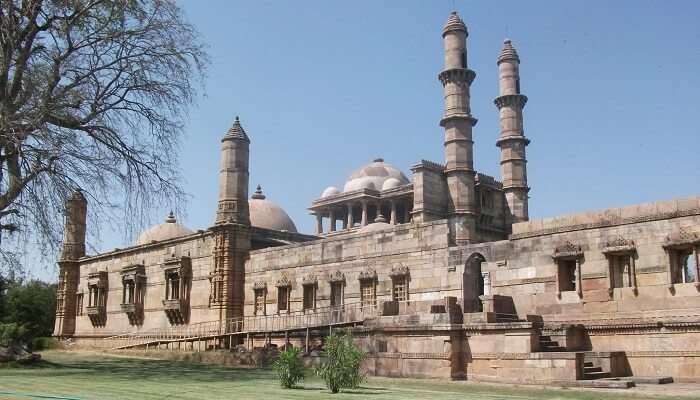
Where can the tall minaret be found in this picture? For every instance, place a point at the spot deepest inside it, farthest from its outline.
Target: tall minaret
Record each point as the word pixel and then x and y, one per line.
pixel 233 177
pixel 232 227
pixel 457 121
pixel 69 269
pixel 512 140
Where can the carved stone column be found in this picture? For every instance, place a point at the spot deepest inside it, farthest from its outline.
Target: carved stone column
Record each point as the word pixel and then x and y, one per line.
pixel 350 218
pixel 364 212
pixel 392 220
pixel 319 223
pixel 331 225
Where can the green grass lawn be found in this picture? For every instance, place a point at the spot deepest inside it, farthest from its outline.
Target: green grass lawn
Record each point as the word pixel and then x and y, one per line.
pixel 67 375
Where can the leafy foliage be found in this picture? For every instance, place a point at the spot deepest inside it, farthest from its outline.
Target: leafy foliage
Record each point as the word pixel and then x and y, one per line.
pixel 342 367
pixel 289 367
pixel 28 311
pixel 12 334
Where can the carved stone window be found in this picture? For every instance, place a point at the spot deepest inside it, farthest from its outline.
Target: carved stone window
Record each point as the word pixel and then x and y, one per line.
pixel 337 281
pixel 399 283
pixel 368 288
pixel 284 290
pixel 309 297
pixel 260 298
pixel 97 297
pixel 79 304
pixel 620 253
pixel 682 248
pixel 133 289
pixel 178 281
pixel 568 258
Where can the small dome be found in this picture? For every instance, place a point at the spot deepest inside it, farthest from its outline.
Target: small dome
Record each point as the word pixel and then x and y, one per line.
pixel 330 191
pixel 391 183
pixel 379 224
pixel 170 229
pixel 268 215
pixel 373 176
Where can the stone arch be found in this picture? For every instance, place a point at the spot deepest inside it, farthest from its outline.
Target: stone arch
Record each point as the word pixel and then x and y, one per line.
pixel 473 283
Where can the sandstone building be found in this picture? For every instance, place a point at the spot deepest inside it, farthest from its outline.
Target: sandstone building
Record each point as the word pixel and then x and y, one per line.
pixel 440 274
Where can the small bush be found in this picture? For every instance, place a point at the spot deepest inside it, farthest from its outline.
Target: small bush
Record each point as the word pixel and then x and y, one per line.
pixel 289 367
pixel 13 334
pixel 43 343
pixel 342 367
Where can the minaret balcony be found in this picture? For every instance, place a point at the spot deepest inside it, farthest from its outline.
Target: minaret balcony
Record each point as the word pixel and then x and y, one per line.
pixel 458 75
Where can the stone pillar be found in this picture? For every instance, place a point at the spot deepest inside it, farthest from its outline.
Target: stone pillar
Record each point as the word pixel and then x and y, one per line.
pixel 458 122
pixel 331 217
pixel 579 288
pixel 232 226
pixel 697 265
pixel 364 212
pixel 512 140
pixel 392 220
pixel 350 218
pixel 345 223
pixel 319 223
pixel 69 268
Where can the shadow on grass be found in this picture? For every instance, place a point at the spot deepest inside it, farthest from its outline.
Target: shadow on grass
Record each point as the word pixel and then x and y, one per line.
pixel 145 369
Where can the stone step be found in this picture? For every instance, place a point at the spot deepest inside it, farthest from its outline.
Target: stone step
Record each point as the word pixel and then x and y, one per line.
pixel 588 370
pixel 606 384
pixel 545 338
pixel 554 348
pixel 548 343
pixel 653 380
pixel 595 375
pixel 588 364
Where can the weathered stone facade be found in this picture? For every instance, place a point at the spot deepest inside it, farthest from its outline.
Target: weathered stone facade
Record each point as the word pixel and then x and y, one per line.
pixel 439 275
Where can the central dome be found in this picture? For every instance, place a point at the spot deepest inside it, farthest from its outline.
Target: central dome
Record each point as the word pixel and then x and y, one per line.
pixel 268 215
pixel 373 176
pixel 170 229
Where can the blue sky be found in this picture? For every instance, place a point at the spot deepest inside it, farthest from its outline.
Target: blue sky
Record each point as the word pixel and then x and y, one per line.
pixel 323 87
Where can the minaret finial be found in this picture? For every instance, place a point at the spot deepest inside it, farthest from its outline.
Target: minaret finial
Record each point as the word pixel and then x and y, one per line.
pixel 171 218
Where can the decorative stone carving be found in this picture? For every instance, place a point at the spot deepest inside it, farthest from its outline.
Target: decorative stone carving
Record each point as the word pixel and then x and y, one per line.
pixel 368 275
pixel 619 245
pixel 682 237
pixel 309 280
pixel 568 250
pixel 178 272
pixel 336 276
pixel 133 285
pixel 283 281
pixel 260 285
pixel 398 271
pixel 97 300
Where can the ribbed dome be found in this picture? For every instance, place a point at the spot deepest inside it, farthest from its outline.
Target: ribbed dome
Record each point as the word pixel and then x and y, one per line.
pixel 170 229
pixel 236 132
pixel 268 215
pixel 373 176
pixel 454 23
pixel 508 52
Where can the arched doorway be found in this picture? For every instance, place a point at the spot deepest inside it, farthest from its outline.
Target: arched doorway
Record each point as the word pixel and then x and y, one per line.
pixel 473 283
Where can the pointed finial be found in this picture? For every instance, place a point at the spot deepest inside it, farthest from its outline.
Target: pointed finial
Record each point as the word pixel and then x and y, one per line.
pixel 171 218
pixel 236 132
pixel 454 23
pixel 508 53
pixel 258 195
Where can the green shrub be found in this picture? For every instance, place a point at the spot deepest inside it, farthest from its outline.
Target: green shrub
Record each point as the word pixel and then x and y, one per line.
pixel 13 334
pixel 289 367
pixel 43 343
pixel 342 366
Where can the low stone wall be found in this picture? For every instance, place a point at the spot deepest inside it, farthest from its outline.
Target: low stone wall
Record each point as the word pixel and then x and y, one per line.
pixel 532 368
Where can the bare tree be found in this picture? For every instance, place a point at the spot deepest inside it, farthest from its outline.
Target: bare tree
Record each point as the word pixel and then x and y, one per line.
pixel 93 94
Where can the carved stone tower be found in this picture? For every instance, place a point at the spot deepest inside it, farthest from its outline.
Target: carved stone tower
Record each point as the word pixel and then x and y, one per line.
pixel 232 226
pixel 512 140
pixel 69 274
pixel 457 121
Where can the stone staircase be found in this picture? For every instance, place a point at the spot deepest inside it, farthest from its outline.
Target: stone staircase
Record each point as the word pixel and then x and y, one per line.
pixel 549 345
pixel 591 372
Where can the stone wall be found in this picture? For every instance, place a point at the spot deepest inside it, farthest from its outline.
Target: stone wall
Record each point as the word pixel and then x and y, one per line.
pixel 198 247
pixel 419 248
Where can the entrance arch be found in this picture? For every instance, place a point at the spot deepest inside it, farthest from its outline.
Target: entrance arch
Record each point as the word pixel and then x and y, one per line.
pixel 473 283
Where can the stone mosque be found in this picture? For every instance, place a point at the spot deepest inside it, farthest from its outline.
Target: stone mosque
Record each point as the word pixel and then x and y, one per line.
pixel 437 273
